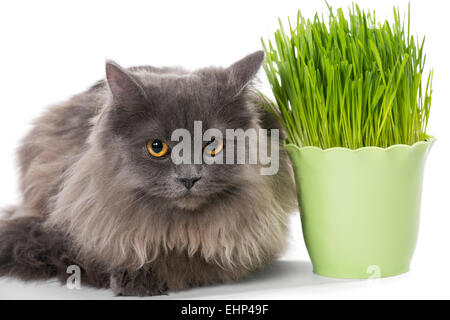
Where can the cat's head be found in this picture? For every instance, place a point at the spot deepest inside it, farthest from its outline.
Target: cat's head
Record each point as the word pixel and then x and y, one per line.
pixel 146 106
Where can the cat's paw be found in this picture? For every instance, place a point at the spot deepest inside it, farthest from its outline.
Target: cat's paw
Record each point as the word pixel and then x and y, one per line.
pixel 139 284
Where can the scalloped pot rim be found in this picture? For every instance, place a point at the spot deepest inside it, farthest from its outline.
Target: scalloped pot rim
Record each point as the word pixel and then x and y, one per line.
pixel 430 142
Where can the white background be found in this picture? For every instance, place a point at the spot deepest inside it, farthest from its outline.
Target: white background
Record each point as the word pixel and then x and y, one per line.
pixel 50 50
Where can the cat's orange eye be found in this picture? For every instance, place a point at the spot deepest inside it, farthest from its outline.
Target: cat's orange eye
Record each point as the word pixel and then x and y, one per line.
pixel 157 148
pixel 213 147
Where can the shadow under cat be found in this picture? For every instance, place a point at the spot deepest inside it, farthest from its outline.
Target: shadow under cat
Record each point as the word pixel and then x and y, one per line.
pixel 282 274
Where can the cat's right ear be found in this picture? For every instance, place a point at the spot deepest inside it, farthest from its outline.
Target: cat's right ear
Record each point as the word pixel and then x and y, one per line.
pixel 242 72
pixel 124 87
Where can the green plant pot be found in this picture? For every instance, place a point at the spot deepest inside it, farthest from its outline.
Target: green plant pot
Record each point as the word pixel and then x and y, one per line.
pixel 360 208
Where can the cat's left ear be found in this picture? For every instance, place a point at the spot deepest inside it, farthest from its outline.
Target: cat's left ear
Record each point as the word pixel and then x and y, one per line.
pixel 243 71
pixel 124 87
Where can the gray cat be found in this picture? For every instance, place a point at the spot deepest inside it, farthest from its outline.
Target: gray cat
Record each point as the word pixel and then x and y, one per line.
pixel 100 190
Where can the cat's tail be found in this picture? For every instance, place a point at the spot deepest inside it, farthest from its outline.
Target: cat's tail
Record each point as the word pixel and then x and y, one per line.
pixel 31 252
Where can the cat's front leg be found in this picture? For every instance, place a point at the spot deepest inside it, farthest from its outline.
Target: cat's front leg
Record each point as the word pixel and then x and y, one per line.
pixel 137 283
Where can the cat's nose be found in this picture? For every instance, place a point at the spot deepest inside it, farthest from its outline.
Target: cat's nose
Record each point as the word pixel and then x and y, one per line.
pixel 188 182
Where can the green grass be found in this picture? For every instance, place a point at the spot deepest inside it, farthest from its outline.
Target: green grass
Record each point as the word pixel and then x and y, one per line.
pixel 349 82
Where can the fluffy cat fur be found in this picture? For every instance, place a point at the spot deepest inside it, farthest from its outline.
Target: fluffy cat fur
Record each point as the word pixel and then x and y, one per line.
pixel 92 195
